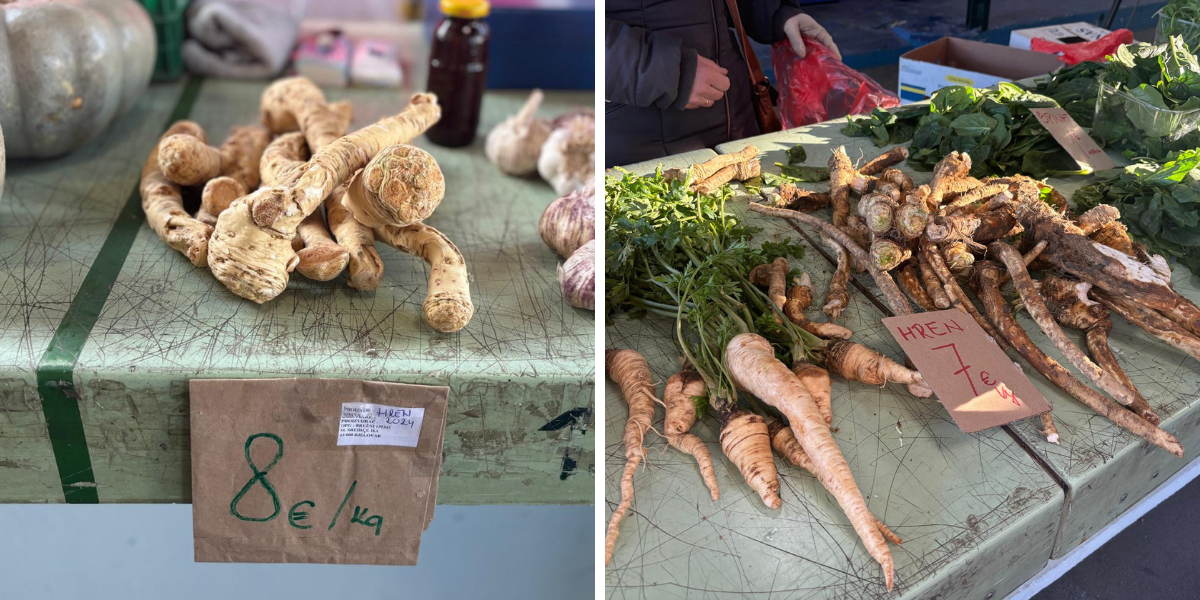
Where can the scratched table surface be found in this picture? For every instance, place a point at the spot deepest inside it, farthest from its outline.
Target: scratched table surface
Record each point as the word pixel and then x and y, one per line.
pixel 524 363
pixel 976 512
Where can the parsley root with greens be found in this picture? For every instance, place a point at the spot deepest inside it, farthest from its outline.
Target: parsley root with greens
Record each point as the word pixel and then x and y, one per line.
pixel 678 254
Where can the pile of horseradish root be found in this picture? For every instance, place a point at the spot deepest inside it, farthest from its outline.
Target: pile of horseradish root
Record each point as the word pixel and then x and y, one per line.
pixel 299 193
pixel 674 250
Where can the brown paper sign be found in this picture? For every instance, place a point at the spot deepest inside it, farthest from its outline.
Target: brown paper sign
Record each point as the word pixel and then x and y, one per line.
pixel 314 470
pixel 1073 139
pixel 972 377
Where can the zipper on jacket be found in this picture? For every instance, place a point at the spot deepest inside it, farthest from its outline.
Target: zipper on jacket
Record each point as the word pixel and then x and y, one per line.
pixel 725 95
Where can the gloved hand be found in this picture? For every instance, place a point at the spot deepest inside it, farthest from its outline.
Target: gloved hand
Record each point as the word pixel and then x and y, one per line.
pixel 804 25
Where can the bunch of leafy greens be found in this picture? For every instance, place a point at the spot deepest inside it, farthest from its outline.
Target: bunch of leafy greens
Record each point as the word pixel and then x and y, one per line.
pixel 1160 204
pixel 1075 89
pixel 887 127
pixel 1181 18
pixel 1152 111
pixel 672 252
pixel 994 126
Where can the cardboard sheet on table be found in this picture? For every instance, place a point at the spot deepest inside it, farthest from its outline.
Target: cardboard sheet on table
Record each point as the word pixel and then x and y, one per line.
pixel 319 487
pixel 972 377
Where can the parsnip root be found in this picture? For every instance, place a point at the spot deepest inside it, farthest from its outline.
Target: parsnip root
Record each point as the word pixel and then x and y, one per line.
pixel 680 416
pixel 629 370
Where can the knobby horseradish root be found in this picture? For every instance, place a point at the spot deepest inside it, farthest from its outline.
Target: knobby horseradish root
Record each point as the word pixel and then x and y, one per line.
pixel 447 307
pixel 163 204
pixel 400 186
pixel 250 250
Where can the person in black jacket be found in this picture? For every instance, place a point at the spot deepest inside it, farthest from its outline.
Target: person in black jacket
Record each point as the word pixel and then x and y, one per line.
pixel 674 76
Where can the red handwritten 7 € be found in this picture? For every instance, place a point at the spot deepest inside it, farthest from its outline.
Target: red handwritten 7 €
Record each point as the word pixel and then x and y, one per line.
pixel 965 371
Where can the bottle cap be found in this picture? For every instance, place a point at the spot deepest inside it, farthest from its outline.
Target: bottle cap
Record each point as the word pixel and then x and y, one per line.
pixel 465 9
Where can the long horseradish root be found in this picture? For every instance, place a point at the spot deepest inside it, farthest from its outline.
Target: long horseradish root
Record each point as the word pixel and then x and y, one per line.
pixel 1041 315
pixel 987 279
pixel 681 415
pixel 745 440
pixel 447 307
pixel 163 204
pixel 754 368
pixel 1069 303
pixel 251 248
pixel 630 372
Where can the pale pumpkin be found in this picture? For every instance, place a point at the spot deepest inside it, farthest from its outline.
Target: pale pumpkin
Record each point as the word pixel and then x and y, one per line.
pixel 68 69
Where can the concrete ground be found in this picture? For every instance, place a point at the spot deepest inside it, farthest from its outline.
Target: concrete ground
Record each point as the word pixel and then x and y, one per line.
pixel 1155 557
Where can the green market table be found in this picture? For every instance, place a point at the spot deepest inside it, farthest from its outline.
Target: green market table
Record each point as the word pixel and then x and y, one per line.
pixel 979 513
pixel 104 325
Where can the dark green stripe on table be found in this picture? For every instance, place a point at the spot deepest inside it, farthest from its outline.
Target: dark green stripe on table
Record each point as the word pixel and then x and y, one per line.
pixel 56 371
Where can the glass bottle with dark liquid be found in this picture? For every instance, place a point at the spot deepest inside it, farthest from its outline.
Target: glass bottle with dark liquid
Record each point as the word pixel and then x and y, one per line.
pixel 458 70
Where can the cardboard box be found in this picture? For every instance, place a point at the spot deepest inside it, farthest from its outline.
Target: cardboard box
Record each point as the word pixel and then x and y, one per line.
pixel 1067 33
pixel 953 61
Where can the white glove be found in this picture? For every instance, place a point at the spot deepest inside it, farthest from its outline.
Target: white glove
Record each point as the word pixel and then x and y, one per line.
pixel 804 25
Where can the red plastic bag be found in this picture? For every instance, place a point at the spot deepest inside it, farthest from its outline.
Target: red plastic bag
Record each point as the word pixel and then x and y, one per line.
pixel 819 87
pixel 1073 54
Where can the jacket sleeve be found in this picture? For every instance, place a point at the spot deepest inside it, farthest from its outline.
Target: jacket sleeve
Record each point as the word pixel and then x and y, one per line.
pixel 764 19
pixel 646 68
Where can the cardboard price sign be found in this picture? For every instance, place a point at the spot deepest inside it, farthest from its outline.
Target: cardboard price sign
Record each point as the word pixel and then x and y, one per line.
pixel 1073 139
pixel 972 377
pixel 314 470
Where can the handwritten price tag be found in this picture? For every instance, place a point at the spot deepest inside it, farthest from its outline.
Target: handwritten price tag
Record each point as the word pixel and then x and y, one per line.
pixel 284 471
pixel 972 377
pixel 1073 139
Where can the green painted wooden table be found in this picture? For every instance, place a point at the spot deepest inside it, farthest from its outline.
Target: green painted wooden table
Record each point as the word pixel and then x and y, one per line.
pixel 110 421
pixel 977 513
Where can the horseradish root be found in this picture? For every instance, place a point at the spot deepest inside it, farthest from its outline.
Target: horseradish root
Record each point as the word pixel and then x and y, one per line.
pixel 798 299
pixel 681 388
pixel 251 247
pixel 837 298
pixel 400 186
pixel 163 204
pixel 447 307
pixel 513 145
pixel 629 371
pixel 364 268
pixel 1041 315
pixel 321 259
pixel 987 285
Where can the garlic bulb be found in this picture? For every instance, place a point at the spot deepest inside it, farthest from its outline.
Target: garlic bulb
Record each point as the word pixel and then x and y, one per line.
pixel 570 221
pixel 514 145
pixel 569 155
pixel 577 276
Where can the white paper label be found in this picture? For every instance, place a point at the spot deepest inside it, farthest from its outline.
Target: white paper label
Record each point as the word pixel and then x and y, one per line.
pixel 366 424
